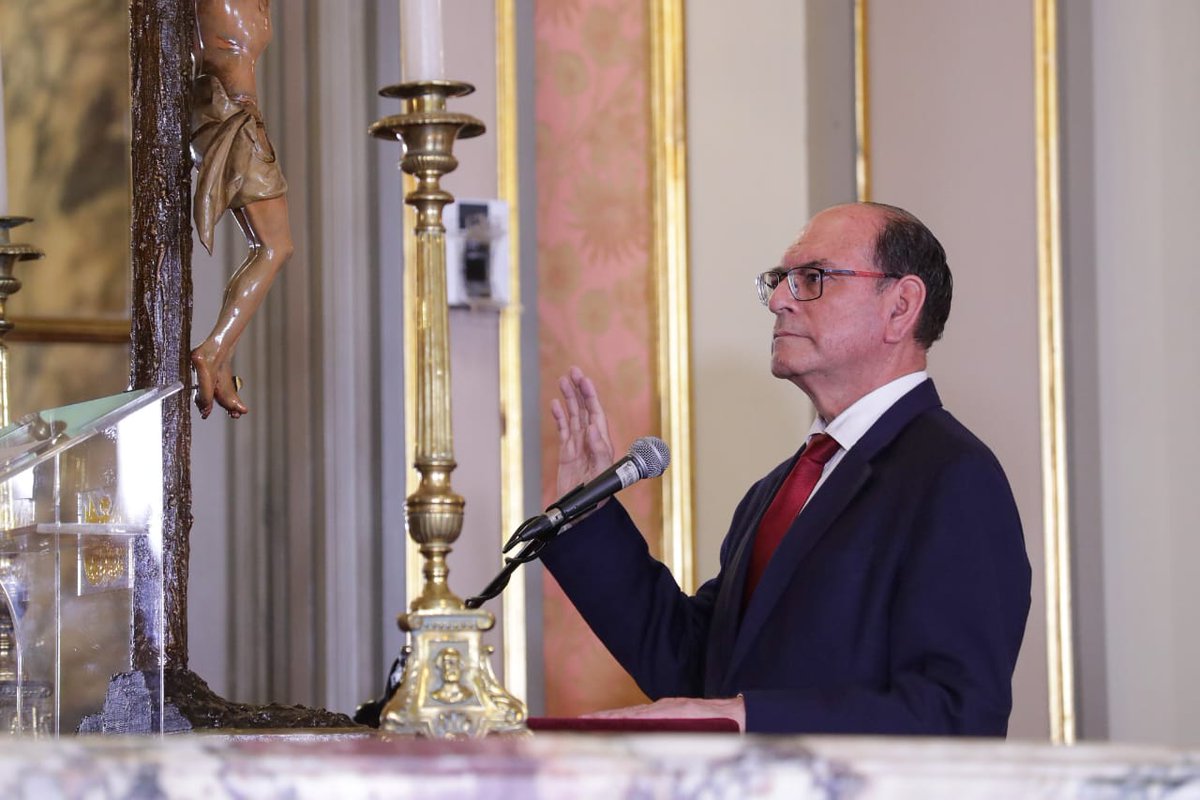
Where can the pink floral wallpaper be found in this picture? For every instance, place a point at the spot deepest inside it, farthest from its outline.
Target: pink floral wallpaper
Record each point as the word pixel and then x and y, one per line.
pixel 595 285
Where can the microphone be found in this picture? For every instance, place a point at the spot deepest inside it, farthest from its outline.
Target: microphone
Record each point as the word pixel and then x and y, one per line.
pixel 648 457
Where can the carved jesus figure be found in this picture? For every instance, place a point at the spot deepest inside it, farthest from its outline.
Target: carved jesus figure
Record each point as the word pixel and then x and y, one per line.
pixel 237 170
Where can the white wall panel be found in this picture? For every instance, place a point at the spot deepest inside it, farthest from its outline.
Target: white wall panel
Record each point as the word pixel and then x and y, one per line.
pixel 748 198
pixel 1146 173
pixel 952 110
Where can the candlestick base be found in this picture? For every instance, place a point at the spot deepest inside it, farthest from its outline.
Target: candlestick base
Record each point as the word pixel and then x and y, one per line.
pixel 448 690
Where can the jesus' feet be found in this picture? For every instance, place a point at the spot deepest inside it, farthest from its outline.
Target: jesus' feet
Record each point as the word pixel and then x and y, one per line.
pixel 215 381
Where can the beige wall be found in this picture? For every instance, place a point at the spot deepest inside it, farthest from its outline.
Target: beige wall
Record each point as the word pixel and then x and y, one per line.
pixel 747 195
pixel 1146 70
pixel 474 335
pixel 952 109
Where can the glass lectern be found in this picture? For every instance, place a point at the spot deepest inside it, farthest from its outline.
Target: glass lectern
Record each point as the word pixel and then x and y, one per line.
pixel 81 590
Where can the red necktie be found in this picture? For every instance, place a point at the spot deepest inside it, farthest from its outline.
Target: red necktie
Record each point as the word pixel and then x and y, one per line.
pixel 787 504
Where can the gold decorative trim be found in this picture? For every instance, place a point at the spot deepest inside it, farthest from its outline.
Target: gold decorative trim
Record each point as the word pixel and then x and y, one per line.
pixel 669 127
pixel 69 329
pixel 512 443
pixel 1059 648
pixel 412 551
pixel 5 497
pixel 862 105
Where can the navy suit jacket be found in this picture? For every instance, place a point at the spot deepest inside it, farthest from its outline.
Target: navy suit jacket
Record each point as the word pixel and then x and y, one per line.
pixel 896 602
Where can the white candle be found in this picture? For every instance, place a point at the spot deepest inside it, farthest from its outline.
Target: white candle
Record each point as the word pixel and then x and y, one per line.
pixel 3 148
pixel 421 40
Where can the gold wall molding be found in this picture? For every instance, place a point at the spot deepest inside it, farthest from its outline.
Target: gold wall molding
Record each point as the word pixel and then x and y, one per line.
pixel 669 159
pixel 512 442
pixel 862 105
pixel 1050 351
pixel 81 330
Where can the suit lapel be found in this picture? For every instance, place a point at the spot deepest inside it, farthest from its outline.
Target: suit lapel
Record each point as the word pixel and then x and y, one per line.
pixel 806 530
pixel 847 480
pixel 724 626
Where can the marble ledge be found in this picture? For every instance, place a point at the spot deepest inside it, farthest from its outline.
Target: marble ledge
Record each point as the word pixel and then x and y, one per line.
pixel 214 766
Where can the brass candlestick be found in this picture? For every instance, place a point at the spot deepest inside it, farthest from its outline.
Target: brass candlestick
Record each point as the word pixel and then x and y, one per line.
pixel 448 688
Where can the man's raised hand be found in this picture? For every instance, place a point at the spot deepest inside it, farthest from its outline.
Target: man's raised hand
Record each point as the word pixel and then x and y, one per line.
pixel 584 444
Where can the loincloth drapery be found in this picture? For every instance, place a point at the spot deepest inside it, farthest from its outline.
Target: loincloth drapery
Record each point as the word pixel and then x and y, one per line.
pixel 235 161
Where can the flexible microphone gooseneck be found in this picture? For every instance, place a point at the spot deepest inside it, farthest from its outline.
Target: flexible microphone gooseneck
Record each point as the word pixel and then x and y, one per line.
pixel 648 457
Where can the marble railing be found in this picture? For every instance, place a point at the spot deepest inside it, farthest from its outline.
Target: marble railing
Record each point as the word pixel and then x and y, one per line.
pixel 213 767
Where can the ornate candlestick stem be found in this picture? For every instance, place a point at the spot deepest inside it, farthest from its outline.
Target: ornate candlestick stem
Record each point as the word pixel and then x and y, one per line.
pixel 448 688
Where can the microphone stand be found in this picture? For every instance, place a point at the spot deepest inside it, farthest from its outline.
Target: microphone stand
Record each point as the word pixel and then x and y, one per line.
pixel 498 583
pixel 529 552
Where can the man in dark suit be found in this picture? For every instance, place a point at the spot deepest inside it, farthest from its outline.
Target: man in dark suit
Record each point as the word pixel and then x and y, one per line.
pixel 877 582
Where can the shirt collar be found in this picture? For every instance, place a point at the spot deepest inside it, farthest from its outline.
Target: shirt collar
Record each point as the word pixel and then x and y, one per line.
pixel 849 426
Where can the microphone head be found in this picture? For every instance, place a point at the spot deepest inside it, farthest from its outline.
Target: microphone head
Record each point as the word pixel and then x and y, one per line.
pixel 651 456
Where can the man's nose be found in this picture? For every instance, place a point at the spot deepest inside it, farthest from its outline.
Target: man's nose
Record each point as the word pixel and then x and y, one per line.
pixel 781 298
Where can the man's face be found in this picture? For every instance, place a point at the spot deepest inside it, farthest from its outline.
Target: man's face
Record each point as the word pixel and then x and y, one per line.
pixel 450 663
pixel 839 336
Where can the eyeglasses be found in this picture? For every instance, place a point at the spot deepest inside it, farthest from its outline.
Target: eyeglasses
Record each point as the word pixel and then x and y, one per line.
pixel 805 283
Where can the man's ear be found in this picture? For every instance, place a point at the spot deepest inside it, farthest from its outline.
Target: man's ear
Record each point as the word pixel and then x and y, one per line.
pixel 907 299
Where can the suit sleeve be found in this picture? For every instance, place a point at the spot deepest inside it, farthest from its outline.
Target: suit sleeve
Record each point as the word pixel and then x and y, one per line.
pixel 957 619
pixel 633 603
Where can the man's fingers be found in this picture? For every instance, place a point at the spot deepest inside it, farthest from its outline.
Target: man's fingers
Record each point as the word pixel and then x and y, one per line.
pixel 560 420
pixel 591 402
pixel 680 708
pixel 618 713
pixel 570 393
pixel 599 443
pixel 591 411
pixel 598 436
pixel 579 418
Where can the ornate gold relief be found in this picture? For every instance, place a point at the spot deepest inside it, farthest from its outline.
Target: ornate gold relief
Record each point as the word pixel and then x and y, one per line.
pixel 104 564
pixel 448 690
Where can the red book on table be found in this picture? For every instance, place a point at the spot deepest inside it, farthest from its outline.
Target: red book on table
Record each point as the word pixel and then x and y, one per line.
pixel 631 725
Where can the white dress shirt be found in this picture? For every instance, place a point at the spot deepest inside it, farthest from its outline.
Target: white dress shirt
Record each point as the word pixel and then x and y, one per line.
pixel 849 426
